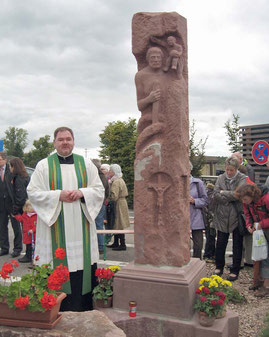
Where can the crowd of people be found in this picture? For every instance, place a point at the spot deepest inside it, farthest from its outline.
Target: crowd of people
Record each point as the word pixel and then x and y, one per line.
pixel 234 202
pixel 68 197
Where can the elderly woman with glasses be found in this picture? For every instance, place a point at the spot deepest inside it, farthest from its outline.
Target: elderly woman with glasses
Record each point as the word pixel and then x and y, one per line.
pixel 225 217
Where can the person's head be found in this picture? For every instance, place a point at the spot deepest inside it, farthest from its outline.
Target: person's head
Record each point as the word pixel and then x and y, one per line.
pixel 115 170
pixel 154 57
pixel 231 166
pixel 238 156
pixel 28 207
pixel 97 162
pixel 63 141
pixel 3 159
pixel 16 167
pixel 171 40
pixel 248 193
pixel 105 169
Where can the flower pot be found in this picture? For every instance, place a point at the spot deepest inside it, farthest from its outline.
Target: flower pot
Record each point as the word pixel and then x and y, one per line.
pixel 25 318
pixel 102 304
pixel 205 320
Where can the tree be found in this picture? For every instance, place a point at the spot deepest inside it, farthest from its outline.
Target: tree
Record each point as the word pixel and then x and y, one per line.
pixel 233 134
pixel 197 151
pixel 15 141
pixel 118 147
pixel 43 147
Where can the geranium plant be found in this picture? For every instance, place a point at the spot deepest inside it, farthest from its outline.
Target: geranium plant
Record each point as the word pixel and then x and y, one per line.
pixel 104 289
pixel 35 291
pixel 212 295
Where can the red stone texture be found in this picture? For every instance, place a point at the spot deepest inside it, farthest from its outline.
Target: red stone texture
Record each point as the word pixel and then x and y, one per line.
pixel 146 325
pixel 161 197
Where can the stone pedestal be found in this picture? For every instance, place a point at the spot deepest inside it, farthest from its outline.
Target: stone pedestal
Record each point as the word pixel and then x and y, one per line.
pixel 157 326
pixel 167 291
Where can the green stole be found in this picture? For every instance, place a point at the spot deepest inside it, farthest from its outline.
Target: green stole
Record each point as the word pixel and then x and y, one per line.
pixel 58 230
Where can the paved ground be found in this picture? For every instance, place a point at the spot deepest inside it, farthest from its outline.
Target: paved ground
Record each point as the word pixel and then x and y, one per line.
pixel 120 258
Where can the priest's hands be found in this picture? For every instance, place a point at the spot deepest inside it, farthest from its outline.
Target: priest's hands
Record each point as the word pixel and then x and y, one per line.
pixel 70 196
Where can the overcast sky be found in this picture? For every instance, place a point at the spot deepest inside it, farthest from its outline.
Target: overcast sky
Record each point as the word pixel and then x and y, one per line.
pixel 69 62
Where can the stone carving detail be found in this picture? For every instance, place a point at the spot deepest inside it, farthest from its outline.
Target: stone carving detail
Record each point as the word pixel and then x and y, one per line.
pixel 160 182
pixel 162 165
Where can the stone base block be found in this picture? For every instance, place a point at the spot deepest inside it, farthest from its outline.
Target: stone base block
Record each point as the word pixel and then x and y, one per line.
pixel 156 326
pixel 168 291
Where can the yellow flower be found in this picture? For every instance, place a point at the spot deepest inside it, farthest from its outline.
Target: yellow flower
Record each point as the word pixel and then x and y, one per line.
pixel 213 284
pixel 201 287
pixel 217 278
pixel 226 283
pixel 114 268
pixel 204 279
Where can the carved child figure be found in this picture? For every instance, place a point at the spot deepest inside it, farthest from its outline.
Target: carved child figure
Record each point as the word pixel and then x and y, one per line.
pixel 175 50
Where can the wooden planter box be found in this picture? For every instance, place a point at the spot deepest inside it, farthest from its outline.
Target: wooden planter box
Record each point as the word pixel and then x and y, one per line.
pixel 25 318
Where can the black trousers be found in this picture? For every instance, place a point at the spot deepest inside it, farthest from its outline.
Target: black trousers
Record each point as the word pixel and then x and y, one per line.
pixel 4 241
pixel 76 301
pixel 222 241
pixel 197 238
pixel 210 245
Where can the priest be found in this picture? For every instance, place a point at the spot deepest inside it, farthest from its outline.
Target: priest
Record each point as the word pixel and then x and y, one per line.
pixel 67 194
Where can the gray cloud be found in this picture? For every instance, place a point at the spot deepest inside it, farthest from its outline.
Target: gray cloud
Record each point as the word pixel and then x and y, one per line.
pixel 70 63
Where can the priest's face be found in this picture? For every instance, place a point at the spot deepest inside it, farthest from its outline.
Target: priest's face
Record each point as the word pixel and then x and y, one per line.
pixel 64 143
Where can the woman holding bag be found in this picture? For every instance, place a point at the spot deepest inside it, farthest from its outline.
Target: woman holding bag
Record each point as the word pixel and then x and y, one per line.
pixel 256 209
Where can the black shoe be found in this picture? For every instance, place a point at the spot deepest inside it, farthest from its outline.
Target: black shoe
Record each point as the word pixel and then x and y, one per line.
pixel 120 248
pixel 232 278
pixel 248 265
pixel 114 245
pixel 3 252
pixel 230 266
pixel 15 254
pixel 25 259
pixel 218 272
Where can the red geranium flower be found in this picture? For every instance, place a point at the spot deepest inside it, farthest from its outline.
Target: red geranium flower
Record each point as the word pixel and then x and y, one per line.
pixel 198 291
pixel 7 268
pixel 22 302
pixel 14 263
pixel 37 258
pixel 60 253
pixel 203 299
pixel 4 275
pixel 48 301
pixel 214 303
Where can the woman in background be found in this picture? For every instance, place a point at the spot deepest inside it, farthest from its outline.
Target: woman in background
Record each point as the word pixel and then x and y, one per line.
pixel 225 217
pixel 198 200
pixel 118 193
pixel 256 209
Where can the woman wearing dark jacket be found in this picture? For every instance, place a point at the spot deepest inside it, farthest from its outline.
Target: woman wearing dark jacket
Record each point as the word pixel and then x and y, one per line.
pixel 17 186
pixel 225 217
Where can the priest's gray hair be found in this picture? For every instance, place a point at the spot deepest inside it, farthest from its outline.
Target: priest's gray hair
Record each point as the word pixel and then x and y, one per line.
pixel 116 169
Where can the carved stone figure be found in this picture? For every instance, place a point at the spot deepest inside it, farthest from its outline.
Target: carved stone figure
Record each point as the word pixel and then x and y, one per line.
pixel 162 160
pixel 175 51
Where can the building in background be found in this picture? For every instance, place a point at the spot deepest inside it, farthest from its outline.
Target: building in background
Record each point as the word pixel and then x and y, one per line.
pixel 250 134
